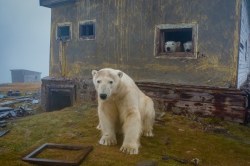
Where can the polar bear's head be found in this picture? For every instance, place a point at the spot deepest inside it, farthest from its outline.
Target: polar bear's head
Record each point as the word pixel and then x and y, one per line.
pixel 172 46
pixel 106 82
pixel 188 46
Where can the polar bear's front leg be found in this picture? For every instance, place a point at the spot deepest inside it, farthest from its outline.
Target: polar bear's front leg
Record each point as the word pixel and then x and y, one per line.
pixel 132 131
pixel 107 126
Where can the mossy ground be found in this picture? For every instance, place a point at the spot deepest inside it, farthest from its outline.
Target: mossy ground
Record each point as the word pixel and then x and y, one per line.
pixel 176 135
pixel 211 140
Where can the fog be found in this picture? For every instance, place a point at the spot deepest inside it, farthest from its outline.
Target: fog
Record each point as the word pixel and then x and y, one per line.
pixel 24 37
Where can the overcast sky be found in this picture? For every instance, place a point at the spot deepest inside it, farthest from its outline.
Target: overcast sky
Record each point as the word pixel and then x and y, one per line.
pixel 24 37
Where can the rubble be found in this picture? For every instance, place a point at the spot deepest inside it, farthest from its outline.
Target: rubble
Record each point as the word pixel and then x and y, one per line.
pixel 13 106
pixel 2 133
pixel 7 112
pixel 13 93
pixel 2 96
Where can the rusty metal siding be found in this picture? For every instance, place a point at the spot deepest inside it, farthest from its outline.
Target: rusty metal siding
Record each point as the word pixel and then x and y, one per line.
pixel 125 40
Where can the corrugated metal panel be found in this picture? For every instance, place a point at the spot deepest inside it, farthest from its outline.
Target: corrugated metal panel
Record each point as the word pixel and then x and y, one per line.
pixel 54 3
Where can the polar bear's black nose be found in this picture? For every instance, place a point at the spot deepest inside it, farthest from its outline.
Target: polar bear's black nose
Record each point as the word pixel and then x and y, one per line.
pixel 103 96
pixel 168 48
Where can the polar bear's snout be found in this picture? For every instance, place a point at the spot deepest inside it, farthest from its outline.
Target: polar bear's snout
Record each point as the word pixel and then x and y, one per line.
pixel 188 46
pixel 172 46
pixel 103 96
pixel 104 91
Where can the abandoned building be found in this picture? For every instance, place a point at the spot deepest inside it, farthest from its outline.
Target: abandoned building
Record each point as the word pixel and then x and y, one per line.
pixel 21 75
pixel 130 35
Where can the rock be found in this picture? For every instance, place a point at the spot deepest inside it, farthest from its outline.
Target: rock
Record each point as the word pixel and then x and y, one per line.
pixel 195 161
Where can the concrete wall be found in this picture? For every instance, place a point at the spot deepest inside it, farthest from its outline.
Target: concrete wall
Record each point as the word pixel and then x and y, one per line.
pixel 125 40
pixel 244 52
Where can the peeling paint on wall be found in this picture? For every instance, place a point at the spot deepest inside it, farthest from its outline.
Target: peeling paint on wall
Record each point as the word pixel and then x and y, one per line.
pixel 125 40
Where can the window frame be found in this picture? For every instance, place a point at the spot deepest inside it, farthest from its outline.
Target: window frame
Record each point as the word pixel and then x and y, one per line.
pixel 81 23
pixel 159 38
pixel 70 30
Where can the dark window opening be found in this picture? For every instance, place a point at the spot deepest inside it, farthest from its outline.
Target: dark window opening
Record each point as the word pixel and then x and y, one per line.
pixel 59 99
pixel 178 35
pixel 87 30
pixel 175 40
pixel 63 32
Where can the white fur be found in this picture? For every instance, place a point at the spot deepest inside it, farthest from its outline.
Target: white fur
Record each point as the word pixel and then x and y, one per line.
pixel 172 46
pixel 126 106
pixel 188 46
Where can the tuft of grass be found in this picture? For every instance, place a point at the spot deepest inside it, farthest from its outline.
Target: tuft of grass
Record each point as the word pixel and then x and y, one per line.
pixel 178 136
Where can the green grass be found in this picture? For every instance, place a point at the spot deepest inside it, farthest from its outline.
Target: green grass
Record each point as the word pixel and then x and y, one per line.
pixel 176 136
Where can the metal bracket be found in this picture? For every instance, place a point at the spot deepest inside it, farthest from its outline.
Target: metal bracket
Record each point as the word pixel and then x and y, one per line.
pixel 84 151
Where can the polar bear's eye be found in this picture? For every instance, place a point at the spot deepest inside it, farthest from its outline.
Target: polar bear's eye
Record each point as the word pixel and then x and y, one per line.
pixel 111 82
pixel 98 81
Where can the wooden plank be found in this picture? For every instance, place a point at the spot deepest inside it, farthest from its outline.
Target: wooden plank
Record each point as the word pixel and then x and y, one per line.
pixel 163 86
pixel 226 103
pixel 237 100
pixel 236 114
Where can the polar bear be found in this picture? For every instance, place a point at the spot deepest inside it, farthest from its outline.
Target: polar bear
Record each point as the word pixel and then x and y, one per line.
pixel 122 106
pixel 188 46
pixel 172 46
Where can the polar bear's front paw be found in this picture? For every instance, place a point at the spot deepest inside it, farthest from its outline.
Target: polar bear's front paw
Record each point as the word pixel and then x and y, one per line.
pixel 106 140
pixel 148 134
pixel 129 149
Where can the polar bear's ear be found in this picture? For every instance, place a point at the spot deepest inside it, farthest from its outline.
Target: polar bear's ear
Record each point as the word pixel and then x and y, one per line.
pixel 94 72
pixel 120 74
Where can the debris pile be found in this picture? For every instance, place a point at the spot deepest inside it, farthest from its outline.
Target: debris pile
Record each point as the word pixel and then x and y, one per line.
pixel 14 105
pixel 8 112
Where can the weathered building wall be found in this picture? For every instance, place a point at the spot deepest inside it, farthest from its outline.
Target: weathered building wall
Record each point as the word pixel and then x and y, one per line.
pixel 125 40
pixel 25 76
pixel 244 54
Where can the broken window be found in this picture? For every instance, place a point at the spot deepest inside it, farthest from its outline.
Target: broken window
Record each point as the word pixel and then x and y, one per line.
pixel 60 98
pixel 87 30
pixel 176 40
pixel 64 31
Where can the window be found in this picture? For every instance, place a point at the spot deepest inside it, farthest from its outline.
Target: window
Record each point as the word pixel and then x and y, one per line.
pixel 175 40
pixel 64 31
pixel 87 30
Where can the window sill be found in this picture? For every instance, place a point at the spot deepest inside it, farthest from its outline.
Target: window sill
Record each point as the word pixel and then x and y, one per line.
pixel 176 55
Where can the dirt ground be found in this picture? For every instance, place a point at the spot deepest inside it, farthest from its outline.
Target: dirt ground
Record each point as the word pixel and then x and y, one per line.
pixel 212 141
